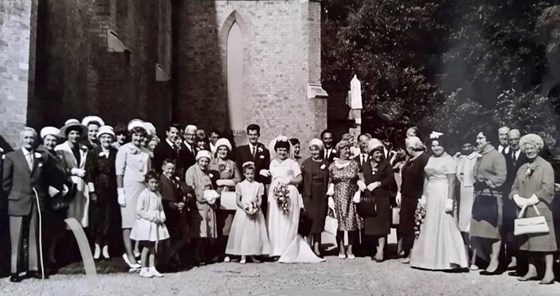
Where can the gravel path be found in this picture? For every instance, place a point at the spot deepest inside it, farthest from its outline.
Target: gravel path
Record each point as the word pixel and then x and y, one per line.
pixel 334 277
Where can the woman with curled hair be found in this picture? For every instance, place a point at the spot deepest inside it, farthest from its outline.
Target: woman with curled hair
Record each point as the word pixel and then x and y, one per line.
pixel 490 172
pixel 439 245
pixel 533 191
pixel 343 175
pixel 131 165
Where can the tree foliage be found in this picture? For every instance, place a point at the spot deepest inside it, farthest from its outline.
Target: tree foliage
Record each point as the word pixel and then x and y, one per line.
pixel 444 64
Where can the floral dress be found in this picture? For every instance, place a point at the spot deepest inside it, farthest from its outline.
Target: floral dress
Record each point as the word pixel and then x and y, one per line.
pixel 344 179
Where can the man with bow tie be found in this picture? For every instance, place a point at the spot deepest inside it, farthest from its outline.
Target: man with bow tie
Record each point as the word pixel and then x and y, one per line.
pixel 169 150
pixel 258 154
pixel 25 182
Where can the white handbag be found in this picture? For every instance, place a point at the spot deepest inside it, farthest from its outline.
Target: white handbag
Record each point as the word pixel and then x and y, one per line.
pixel 533 225
pixel 396 217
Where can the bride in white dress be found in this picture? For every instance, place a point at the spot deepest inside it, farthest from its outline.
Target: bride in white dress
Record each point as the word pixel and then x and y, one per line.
pixel 283 224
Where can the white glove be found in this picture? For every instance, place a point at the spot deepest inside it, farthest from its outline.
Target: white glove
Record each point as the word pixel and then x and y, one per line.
pixel 330 190
pixel 448 205
pixel 78 172
pixel 53 191
pixel 533 200
pixel 357 197
pixel 422 201
pixel 330 203
pixel 361 185
pixel 122 197
pixel 264 173
pixel 398 199
pixel 372 186
pixel 519 201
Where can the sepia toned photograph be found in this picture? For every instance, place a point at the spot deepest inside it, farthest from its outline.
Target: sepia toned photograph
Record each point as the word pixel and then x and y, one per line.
pixel 280 147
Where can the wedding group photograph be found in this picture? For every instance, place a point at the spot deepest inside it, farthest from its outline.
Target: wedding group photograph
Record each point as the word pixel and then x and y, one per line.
pixel 279 147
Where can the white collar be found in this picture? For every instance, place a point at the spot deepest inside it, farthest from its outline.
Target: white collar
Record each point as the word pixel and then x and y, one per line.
pixel 188 145
pixel 171 144
pixel 26 152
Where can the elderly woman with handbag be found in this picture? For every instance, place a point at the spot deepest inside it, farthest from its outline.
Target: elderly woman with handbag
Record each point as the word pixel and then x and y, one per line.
pixel 533 191
pixel 378 181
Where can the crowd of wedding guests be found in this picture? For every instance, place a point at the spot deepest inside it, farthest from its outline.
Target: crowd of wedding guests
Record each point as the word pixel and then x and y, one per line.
pixel 188 198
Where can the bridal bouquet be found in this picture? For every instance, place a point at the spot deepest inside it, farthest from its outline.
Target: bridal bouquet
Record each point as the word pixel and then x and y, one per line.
pixel 419 216
pixel 282 197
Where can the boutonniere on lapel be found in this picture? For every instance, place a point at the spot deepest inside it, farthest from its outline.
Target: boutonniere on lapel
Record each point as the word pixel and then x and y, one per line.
pixel 529 171
pixel 134 150
pixel 323 166
pixel 333 151
pixel 39 158
pixel 260 149
pixel 211 175
pixel 84 148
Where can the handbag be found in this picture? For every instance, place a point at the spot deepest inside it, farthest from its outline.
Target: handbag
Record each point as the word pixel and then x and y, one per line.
pixel 367 206
pixel 485 208
pixel 305 223
pixel 533 225
pixel 396 218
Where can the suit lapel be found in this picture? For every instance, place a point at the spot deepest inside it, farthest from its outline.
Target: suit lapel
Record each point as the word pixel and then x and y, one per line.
pixel 21 157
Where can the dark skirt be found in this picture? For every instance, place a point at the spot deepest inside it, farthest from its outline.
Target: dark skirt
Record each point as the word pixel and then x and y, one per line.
pixel 317 210
pixel 407 220
pixel 381 223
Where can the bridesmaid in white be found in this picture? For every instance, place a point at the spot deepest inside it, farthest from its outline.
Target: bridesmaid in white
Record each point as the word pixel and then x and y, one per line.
pixel 283 225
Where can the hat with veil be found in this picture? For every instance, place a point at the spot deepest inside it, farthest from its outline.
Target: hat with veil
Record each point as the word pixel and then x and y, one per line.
pixel 284 141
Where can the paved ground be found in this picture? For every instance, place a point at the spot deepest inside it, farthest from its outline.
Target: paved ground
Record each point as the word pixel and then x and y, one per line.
pixel 334 277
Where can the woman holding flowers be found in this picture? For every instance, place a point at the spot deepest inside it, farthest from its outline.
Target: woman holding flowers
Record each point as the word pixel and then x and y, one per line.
pixel 284 207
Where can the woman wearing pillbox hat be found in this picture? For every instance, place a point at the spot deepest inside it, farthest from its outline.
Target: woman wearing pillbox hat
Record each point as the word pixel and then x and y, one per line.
pixel 102 186
pixel 199 177
pixel 229 177
pixel 73 157
pixel 93 123
pixel 132 162
pixel 55 207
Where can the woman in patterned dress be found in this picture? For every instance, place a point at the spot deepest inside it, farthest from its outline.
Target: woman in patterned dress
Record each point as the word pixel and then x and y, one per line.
pixel 205 229
pixel 343 173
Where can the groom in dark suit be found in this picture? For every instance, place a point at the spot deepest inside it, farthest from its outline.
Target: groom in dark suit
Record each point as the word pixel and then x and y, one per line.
pixel 25 183
pixel 258 154
pixel 168 149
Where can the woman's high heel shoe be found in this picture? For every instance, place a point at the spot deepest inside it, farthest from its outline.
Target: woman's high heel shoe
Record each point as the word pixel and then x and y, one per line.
pixel 132 266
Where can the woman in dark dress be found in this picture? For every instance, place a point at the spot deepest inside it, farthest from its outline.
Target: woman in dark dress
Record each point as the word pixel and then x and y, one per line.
pixel 315 182
pixel 53 220
pixel 378 180
pixel 102 186
pixel 411 191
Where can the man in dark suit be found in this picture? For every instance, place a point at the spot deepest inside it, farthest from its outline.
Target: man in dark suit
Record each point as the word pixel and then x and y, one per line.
pixel 328 141
pixel 4 220
pixel 363 157
pixel 188 150
pixel 168 149
pixel 258 154
pixel 514 160
pixel 25 182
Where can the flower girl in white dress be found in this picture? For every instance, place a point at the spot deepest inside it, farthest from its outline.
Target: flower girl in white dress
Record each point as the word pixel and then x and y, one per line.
pixel 248 235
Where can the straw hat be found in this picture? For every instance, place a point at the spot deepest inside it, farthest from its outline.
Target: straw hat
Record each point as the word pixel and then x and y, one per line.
pixel 106 129
pixel 50 130
pixel 73 123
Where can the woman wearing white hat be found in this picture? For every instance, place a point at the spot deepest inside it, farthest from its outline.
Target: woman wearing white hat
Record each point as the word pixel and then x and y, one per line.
pixel 132 163
pixel 102 186
pixel 229 177
pixel 204 224
pixel 93 123
pixel 73 156
pixel 53 219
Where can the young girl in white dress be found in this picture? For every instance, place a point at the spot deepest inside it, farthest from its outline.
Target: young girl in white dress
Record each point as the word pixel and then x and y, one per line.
pixel 149 228
pixel 248 235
